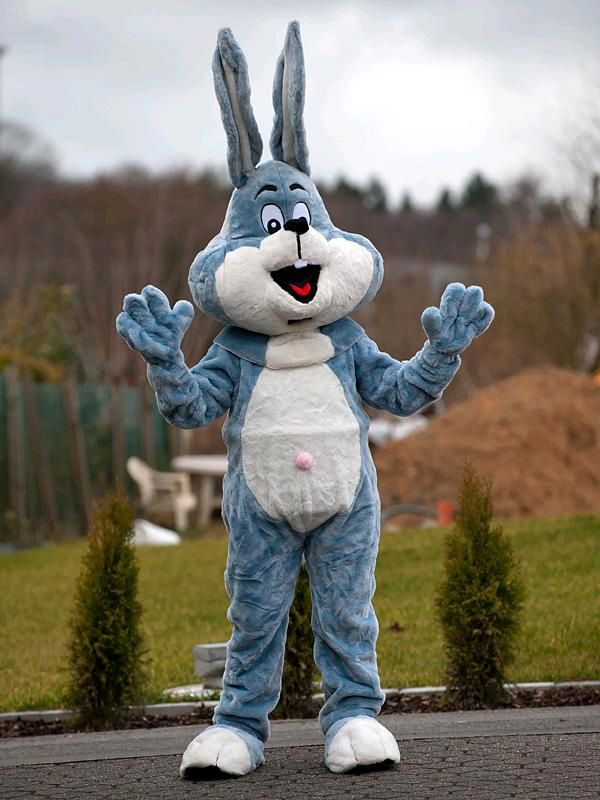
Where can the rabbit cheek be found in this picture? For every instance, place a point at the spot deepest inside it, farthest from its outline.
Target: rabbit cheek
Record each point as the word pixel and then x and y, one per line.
pixel 346 278
pixel 241 285
pixel 249 295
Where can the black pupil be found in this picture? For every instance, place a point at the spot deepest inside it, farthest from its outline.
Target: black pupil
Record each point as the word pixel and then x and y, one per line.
pixel 273 225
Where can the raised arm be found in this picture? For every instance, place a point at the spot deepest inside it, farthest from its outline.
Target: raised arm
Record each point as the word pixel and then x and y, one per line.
pixel 186 398
pixel 405 387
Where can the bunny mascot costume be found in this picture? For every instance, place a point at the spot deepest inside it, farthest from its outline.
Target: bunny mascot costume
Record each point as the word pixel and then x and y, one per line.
pixel 292 371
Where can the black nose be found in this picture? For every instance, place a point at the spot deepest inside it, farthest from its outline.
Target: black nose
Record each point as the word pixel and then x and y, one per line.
pixel 297 226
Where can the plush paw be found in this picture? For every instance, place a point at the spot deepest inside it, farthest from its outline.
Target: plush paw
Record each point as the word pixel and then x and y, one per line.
pixel 220 746
pixel 149 324
pixel 463 314
pixel 359 741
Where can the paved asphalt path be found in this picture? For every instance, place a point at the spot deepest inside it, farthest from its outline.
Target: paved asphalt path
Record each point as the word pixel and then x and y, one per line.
pixel 531 754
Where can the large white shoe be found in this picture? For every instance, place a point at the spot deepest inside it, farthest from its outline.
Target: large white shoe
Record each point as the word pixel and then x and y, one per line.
pixel 361 741
pixel 219 747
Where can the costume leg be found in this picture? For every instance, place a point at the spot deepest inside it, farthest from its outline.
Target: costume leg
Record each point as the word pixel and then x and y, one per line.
pixel 263 562
pixel 341 557
pixel 262 568
pixel 341 563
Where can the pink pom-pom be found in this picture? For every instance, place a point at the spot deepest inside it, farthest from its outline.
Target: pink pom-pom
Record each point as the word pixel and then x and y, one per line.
pixel 304 460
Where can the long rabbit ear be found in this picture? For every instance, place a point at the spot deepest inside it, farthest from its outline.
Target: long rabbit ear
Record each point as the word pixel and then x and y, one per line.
pixel 288 139
pixel 232 87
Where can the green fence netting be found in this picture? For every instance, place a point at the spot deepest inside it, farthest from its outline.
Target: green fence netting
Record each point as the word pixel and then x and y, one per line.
pixel 95 414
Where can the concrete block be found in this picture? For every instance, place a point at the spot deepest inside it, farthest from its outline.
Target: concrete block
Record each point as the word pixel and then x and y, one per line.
pixel 210 652
pixel 209 669
pixel 213 682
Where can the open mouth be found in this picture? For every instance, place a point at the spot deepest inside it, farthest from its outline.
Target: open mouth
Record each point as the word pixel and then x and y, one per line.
pixel 300 282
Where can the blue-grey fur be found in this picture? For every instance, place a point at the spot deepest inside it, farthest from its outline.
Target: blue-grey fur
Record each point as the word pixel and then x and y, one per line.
pixel 265 553
pixel 288 103
pixel 229 54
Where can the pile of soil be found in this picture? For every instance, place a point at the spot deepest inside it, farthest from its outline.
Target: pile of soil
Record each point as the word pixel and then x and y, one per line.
pixel 536 433
pixel 395 704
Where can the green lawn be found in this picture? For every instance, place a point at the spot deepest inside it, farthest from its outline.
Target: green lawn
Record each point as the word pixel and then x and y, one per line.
pixel 184 601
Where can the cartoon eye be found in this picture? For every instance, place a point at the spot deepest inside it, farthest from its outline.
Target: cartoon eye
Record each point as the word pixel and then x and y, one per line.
pixel 301 210
pixel 272 218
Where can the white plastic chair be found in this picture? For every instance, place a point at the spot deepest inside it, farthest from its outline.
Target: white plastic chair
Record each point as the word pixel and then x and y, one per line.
pixel 163 491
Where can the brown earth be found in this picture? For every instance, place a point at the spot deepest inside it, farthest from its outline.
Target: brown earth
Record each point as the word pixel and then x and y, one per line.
pixel 537 434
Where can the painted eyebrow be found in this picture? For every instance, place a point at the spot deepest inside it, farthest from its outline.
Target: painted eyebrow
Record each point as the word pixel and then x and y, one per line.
pixel 269 187
pixel 297 186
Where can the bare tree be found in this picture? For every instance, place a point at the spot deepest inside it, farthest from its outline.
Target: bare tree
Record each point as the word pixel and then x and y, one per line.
pixel 25 161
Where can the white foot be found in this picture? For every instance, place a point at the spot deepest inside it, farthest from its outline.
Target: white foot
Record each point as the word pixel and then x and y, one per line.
pixel 359 742
pixel 217 747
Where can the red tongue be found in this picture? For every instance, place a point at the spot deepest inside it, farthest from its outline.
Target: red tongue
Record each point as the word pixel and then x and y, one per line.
pixel 301 290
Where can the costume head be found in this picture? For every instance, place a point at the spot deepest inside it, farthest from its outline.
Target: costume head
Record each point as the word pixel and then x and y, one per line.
pixel 279 264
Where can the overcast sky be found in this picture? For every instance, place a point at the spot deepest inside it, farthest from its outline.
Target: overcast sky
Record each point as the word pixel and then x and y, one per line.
pixel 419 92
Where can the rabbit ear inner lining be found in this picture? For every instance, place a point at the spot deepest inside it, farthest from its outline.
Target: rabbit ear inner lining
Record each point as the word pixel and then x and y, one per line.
pixel 288 137
pixel 287 132
pixel 244 140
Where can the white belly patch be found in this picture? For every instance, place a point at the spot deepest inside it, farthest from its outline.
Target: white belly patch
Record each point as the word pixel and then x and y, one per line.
pixel 301 446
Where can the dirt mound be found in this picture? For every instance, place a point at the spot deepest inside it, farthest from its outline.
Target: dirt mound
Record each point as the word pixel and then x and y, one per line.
pixel 537 433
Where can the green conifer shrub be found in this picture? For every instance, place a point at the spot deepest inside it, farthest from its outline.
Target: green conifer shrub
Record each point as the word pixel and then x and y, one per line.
pixel 479 601
pixel 106 669
pixel 296 690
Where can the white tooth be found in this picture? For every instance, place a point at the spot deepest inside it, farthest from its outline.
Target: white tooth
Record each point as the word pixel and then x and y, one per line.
pixel 299 263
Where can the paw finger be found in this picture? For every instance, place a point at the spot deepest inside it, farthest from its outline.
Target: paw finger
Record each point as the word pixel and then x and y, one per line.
pixel 136 306
pixel 483 318
pixel 158 303
pixel 122 322
pixel 367 746
pixel 451 299
pixel 431 320
pixel 471 301
pixel 128 328
pixel 389 744
pixel 182 315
